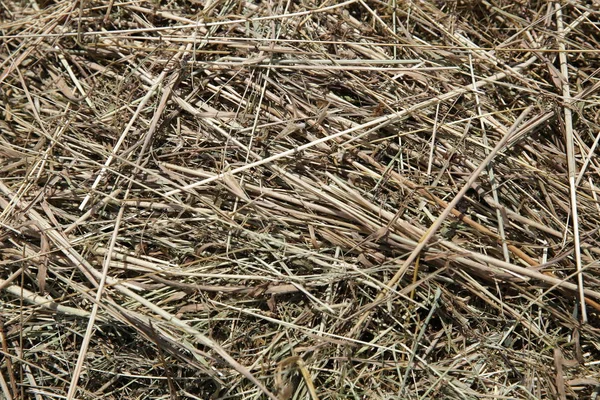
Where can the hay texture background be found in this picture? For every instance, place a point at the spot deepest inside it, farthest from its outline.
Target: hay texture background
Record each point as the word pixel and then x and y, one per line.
pixel 299 199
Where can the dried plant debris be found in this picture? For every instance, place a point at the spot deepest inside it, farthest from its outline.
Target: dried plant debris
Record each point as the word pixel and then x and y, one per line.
pixel 299 199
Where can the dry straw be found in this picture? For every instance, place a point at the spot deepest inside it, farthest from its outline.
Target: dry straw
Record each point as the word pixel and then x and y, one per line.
pixel 299 200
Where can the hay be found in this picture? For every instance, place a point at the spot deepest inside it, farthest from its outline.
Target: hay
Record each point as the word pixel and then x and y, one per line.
pixel 321 200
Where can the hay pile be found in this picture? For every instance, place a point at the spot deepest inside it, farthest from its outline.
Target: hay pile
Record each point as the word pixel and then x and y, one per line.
pixel 299 199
